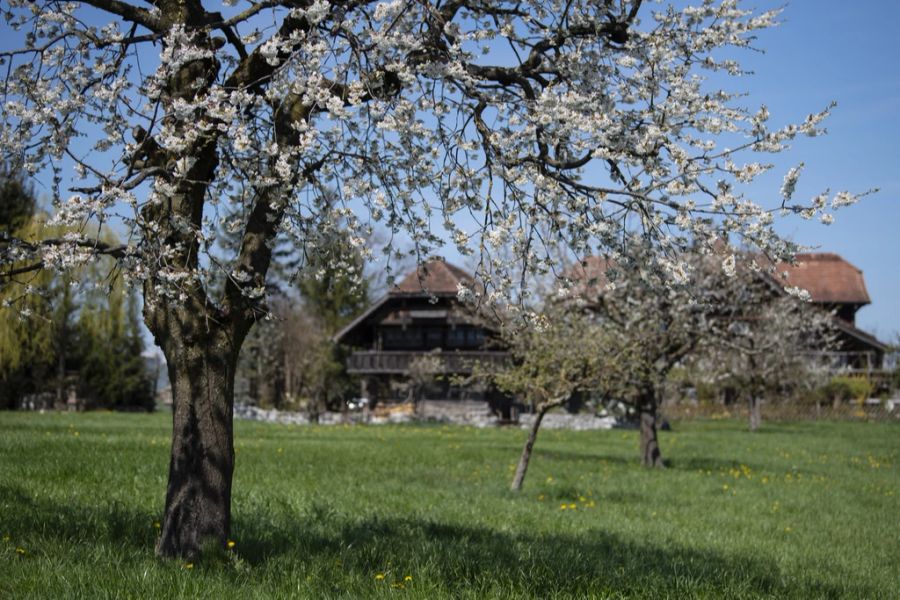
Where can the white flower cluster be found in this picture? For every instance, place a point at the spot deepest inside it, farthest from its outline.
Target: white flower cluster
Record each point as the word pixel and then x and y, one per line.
pixel 409 118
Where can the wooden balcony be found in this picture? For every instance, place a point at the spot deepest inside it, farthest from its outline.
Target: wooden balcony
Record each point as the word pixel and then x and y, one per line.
pixel 373 362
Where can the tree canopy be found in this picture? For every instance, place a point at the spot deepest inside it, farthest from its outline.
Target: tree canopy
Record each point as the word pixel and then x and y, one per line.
pixel 469 123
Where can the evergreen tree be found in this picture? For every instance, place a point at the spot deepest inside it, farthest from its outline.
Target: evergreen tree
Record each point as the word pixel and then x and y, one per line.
pixel 112 372
pixel 17 203
pixel 289 361
pixel 27 358
pixel 76 331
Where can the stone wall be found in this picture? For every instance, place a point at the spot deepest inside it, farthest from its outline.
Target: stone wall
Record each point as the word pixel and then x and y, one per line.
pixel 471 413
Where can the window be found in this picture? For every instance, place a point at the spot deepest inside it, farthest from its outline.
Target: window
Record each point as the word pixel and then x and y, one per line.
pixel 395 338
pixel 456 337
pixel 474 338
pixel 434 337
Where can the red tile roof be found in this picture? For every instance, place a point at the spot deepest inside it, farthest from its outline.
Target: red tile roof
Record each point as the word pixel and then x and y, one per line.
pixel 589 274
pixel 434 276
pixel 827 277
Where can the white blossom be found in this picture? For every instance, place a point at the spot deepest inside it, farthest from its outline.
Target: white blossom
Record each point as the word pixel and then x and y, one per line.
pixel 383 116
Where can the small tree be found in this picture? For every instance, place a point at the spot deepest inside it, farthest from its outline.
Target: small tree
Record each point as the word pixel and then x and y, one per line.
pixel 422 372
pixel 554 353
pixel 652 325
pixel 765 339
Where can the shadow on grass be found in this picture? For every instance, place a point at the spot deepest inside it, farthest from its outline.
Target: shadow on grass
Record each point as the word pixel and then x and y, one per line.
pixel 74 523
pixel 459 558
pixel 455 558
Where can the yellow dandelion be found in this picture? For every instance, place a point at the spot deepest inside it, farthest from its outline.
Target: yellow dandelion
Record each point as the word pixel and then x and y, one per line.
pixel 572 506
pixel 787 529
pixel 230 544
pixel 397 586
pixel 188 566
pixel 379 576
pixel 156 525
pixel 407 578
pixel 725 486
pixel 563 506
pixel 21 551
pixel 541 497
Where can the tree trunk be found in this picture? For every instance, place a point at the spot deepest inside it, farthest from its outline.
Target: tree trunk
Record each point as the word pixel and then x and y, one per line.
pixel 650 453
pixel 522 467
pixel 755 414
pixel 198 496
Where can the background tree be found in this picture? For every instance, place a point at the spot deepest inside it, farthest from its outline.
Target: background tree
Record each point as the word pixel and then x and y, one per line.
pixel 651 325
pixel 17 204
pixel 111 369
pixel 496 120
pixel 765 340
pixel 553 355
pixel 26 344
pixel 289 359
pixel 82 328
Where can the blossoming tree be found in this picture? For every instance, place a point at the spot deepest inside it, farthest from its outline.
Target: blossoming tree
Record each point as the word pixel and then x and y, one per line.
pixel 473 123
pixel 652 326
pixel 559 352
pixel 765 341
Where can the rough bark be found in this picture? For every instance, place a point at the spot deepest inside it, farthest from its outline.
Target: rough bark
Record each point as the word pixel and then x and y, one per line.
pixel 650 452
pixel 198 495
pixel 202 356
pixel 524 459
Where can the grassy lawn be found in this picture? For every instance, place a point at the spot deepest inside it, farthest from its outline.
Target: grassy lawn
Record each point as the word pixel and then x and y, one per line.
pixel 796 510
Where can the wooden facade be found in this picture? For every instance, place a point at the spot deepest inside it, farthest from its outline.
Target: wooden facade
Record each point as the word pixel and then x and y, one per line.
pixel 839 288
pixel 421 318
pixel 833 284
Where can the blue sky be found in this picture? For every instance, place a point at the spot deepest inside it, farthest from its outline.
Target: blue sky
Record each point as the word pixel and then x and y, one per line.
pixel 848 52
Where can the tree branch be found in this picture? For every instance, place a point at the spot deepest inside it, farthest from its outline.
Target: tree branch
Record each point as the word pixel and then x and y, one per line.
pixel 128 12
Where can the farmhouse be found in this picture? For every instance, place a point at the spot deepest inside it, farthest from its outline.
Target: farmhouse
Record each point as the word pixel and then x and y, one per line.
pixel 421 325
pixel 838 286
pixel 833 284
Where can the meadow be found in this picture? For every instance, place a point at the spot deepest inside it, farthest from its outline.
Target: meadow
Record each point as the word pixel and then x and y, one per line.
pixel 796 510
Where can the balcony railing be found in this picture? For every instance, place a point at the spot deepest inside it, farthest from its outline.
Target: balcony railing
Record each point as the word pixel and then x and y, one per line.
pixel 395 362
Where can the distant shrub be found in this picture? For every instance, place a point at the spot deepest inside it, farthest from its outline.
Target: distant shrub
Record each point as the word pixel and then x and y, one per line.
pixel 843 388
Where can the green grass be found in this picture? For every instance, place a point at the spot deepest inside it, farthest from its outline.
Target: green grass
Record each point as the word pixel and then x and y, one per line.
pixel 796 510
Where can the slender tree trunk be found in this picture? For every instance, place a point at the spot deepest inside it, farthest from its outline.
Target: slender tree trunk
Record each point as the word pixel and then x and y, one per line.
pixel 650 453
pixel 522 467
pixel 755 414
